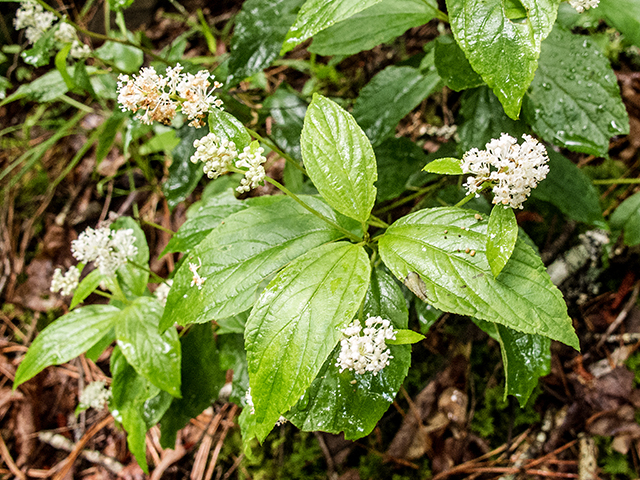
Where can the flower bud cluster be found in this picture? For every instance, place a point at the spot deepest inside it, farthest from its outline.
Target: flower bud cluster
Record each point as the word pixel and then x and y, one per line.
pixel 582 5
pixel 108 249
pixel 514 169
pixel 160 96
pixel 32 17
pixel 94 395
pixel 67 283
pixel 365 350
pixel 219 156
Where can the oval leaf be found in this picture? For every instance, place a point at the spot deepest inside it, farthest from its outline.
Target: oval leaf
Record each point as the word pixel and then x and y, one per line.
pixel 155 356
pixel 238 255
pixel 502 233
pixel 453 66
pixel 66 338
pixel 296 323
pixel 522 298
pixel 627 217
pixel 446 166
pixel 339 158
pixel 228 127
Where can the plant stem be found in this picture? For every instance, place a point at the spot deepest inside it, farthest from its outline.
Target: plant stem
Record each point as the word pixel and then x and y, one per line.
pixel 99 36
pixel 408 198
pixel 275 148
pixel 159 227
pixel 471 195
pixel 614 181
pixel 284 190
pixel 155 276
pixel 377 222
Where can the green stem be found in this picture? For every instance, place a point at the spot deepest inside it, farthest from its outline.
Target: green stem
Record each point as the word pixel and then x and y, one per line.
pixel 284 190
pixel 118 294
pixel 408 198
pixel 156 277
pixel 159 227
pixel 614 181
pixel 377 222
pixel 103 294
pixel 99 36
pixel 471 195
pixel 275 148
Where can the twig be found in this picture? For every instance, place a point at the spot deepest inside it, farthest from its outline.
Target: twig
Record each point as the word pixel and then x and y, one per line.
pixel 621 316
pixel 216 452
pixel 6 456
pixel 200 461
pixel 331 467
pixel 169 458
pixel 236 463
pixel 63 443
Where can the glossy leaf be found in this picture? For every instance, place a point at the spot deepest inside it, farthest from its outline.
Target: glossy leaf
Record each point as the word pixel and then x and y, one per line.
pixel 570 190
pixel 66 338
pixel 627 218
pixel 228 127
pixel 155 356
pixel 503 46
pixel 406 337
pixel 453 67
pixel 389 97
pixel 574 101
pixel 46 88
pixel 624 15
pixel 126 58
pixel 288 111
pixel 398 159
pixel 202 378
pixel 337 402
pixel 522 297
pixel 483 119
pixel 237 256
pixel 233 324
pixel 98 348
pixel 86 287
pixel 260 29
pixel 446 166
pixel 40 54
pixel 502 233
pixel 339 159
pixel 377 24
pixel 183 174
pixel 207 215
pixel 296 324
pixel 108 134
pixel 316 15
pixel 132 278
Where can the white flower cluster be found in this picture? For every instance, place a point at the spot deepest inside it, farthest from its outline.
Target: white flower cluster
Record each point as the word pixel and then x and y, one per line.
pixel 67 283
pixel 582 5
pixel 95 395
pixel 219 156
pixel 159 96
pixel 108 249
pixel 196 280
pixel 37 21
pixel 162 292
pixel 515 169
pixel 367 352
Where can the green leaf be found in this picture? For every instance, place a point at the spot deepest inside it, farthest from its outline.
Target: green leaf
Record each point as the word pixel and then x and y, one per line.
pixel 260 28
pixel 453 67
pixel 406 337
pixel 66 338
pixel 574 101
pixel 525 358
pixel 61 65
pixel 288 111
pixel 503 50
pixel 483 119
pixel 81 79
pixel 164 142
pixel 108 134
pixel 202 378
pixel 502 233
pixel 125 57
pixel 43 89
pixel 398 159
pixel 237 256
pixel 570 190
pixel 233 324
pixel 452 280
pixel 380 23
pixel 627 217
pixel 233 357
pixel 296 323
pixel 399 90
pixel 155 356
pixel 445 166
pixel 202 220
pixel 337 402
pixel 40 54
pixel 183 174
pixel 134 279
pixel 339 159
pixel 116 5
pixel 228 127
pixel 98 349
pixel 624 15
pixel 316 15
pixel 86 287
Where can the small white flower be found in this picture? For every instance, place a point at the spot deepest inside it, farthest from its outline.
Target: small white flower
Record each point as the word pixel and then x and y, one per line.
pixel 107 248
pixel 582 5
pixel 95 395
pixel 216 154
pixel 33 17
pixel 281 421
pixel 255 174
pixel 162 292
pixel 367 352
pixel 514 169
pixel 66 283
pixel 197 280
pixel 65 33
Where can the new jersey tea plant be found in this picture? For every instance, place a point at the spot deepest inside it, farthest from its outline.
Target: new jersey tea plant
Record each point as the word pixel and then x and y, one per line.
pixel 315 277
